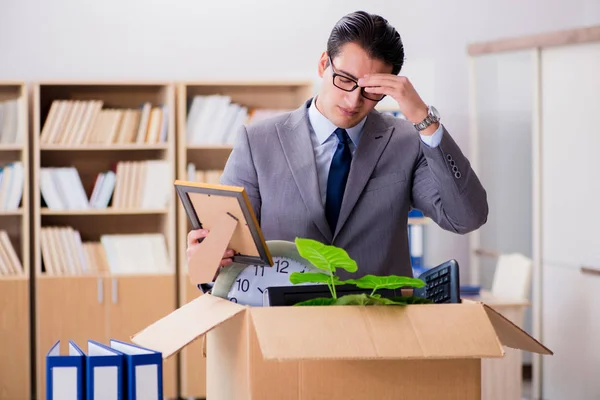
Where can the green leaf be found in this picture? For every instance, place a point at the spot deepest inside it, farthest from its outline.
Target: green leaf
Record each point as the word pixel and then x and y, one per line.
pixel 314 277
pixel 319 301
pixel 386 282
pixel 324 257
pixel 363 300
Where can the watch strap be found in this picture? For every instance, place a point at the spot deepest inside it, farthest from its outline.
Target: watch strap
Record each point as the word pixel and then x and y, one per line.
pixel 429 119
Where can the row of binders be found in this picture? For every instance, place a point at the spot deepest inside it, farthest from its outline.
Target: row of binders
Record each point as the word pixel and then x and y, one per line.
pixel 118 371
pixel 215 119
pixel 12 180
pixel 10 132
pixel 131 185
pixel 10 265
pixel 64 253
pixel 85 122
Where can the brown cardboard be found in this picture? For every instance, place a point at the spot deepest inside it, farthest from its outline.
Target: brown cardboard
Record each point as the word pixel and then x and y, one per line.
pixel 201 268
pixel 339 352
pixel 377 333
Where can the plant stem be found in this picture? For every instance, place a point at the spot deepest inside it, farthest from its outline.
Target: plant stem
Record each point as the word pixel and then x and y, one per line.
pixel 332 287
pixel 373 292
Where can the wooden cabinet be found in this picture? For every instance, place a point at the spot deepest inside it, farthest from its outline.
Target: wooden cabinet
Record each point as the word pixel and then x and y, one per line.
pixel 14 339
pixel 134 302
pixel 68 308
pixel 101 308
pixel 202 151
pixel 193 362
pixel 15 281
pixel 88 281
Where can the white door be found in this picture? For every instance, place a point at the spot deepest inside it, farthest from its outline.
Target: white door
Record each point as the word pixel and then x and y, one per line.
pixel 571 154
pixel 503 98
pixel 570 220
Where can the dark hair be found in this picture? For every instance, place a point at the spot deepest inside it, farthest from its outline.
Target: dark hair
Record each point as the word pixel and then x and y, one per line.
pixel 373 33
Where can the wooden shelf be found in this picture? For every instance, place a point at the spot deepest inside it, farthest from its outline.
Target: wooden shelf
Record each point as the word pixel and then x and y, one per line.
pixel 12 147
pixel 101 212
pixel 107 306
pixel 18 212
pixel 209 147
pixel 15 365
pixel 114 147
pixel 254 95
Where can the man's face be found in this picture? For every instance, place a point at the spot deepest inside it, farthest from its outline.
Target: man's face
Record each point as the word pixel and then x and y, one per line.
pixel 346 109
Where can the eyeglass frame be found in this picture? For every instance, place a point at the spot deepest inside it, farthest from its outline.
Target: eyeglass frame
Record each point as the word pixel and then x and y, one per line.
pixel 362 88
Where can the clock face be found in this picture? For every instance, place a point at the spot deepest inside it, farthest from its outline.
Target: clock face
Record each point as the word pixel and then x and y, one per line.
pixel 250 284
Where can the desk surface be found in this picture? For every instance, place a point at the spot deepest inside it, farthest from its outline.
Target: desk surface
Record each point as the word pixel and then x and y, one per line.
pixel 488 298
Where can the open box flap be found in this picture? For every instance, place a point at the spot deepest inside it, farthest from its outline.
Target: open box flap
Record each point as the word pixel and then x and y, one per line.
pixel 512 336
pixel 375 332
pixel 171 333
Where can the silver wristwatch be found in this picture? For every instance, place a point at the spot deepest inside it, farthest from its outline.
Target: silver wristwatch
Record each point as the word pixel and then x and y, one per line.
pixel 433 116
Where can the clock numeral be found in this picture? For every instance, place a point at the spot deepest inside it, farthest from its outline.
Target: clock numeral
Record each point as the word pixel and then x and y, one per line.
pixel 262 270
pixel 243 284
pixel 233 299
pixel 282 266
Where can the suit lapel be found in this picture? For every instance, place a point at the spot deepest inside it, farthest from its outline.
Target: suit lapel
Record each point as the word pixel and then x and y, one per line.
pixel 375 137
pixel 294 136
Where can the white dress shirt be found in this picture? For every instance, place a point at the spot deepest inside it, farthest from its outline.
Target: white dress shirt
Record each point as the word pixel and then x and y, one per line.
pixel 324 142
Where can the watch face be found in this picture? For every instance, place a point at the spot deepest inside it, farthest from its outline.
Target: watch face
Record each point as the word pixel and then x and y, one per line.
pixel 250 284
pixel 434 112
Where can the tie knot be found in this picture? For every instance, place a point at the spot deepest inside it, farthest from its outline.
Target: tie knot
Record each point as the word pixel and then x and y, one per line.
pixel 342 135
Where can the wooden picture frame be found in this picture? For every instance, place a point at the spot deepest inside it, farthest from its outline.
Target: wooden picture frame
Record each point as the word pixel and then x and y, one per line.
pixel 206 204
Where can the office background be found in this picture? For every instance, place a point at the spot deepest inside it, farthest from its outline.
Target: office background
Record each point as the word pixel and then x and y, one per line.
pixel 137 40
pixel 267 40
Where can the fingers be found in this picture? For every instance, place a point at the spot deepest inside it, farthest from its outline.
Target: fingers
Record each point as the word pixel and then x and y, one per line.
pixel 191 250
pixel 379 90
pixel 383 80
pixel 196 234
pixel 225 262
pixel 227 255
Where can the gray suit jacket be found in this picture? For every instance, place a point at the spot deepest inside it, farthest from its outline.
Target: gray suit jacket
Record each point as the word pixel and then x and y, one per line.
pixel 391 171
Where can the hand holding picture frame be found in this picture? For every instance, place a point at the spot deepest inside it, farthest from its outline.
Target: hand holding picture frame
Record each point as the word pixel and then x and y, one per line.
pixel 226 212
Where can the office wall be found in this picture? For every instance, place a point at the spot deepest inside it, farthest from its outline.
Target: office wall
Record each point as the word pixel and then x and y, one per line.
pixel 267 39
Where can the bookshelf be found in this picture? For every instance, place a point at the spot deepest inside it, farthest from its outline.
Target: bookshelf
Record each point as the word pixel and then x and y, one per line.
pixel 103 213
pixel 208 115
pixel 15 366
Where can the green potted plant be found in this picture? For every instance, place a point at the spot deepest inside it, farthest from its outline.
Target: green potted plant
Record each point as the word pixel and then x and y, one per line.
pixel 329 258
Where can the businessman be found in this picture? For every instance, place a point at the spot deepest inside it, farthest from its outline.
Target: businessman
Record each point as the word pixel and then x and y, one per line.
pixel 338 171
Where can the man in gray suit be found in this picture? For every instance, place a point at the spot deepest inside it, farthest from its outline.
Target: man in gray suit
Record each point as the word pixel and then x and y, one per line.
pixel 338 171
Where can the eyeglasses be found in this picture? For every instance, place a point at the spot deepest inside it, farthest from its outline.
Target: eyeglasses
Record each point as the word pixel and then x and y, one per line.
pixel 348 84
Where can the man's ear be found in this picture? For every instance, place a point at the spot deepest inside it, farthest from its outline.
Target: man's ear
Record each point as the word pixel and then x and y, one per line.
pixel 323 63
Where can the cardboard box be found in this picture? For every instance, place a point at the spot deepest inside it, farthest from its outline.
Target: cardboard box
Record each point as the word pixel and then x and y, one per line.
pixel 339 352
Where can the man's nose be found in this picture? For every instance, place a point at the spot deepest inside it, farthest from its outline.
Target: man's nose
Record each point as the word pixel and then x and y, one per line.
pixel 353 98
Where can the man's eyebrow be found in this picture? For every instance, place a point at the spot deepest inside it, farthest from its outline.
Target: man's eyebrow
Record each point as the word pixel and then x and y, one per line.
pixel 348 74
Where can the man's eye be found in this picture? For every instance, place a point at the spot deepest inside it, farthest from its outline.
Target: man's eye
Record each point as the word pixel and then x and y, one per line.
pixel 344 80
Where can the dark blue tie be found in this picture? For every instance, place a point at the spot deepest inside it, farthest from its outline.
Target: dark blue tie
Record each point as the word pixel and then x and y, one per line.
pixel 338 175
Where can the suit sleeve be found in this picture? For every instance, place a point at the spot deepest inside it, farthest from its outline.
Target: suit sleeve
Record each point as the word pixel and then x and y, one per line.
pixel 240 170
pixel 446 189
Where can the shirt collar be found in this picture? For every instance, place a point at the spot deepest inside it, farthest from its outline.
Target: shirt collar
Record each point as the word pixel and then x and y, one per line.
pixel 324 128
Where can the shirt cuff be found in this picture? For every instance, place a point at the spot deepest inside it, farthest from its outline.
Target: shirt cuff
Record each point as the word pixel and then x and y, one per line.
pixel 434 140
